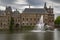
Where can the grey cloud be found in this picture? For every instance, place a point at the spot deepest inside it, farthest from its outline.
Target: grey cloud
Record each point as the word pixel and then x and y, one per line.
pixel 7 1
pixel 12 3
pixel 56 1
pixel 56 6
pixel 35 2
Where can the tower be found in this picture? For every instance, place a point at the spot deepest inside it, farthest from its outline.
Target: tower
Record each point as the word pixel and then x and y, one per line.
pixel 45 6
pixel 8 9
pixel 50 9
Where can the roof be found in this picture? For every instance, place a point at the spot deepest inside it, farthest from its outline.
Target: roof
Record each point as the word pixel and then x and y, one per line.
pixel 2 13
pixel 15 13
pixel 34 10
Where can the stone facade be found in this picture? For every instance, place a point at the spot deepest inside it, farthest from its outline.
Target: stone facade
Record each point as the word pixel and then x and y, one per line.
pixel 29 17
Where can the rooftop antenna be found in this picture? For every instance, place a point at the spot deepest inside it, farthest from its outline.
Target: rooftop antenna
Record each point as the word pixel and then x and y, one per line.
pixel 52 4
pixel 29 4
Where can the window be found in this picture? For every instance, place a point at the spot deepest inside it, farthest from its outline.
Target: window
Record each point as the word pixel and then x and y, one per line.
pixel 23 18
pixel 27 23
pixel 30 18
pixel 52 20
pixel 18 20
pixel 52 15
pixel 1 24
pixel 8 23
pixel 8 19
pixel 34 24
pixel 27 19
pixel 45 19
pixel 4 24
pixel 23 23
pixel 30 23
pixel 38 19
pixel 34 19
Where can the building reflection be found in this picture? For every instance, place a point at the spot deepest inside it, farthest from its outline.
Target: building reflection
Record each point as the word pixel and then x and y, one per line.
pixel 30 36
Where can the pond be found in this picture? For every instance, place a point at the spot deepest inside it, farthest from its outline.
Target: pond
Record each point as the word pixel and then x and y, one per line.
pixel 47 35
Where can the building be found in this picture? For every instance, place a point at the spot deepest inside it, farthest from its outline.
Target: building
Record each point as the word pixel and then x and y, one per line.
pixel 29 17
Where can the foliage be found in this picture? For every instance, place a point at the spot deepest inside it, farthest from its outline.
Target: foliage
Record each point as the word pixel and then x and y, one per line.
pixel 27 28
pixel 11 24
pixel 57 21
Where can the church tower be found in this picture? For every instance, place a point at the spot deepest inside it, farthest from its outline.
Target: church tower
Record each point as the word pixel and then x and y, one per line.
pixel 45 6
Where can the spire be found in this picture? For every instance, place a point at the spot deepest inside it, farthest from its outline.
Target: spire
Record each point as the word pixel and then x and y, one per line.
pixel 45 5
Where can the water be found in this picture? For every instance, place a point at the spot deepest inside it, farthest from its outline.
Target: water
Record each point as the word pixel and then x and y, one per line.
pixel 57 34
pixel 47 35
pixel 26 36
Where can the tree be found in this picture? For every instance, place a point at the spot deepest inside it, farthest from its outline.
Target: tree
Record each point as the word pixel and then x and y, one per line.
pixel 57 21
pixel 11 24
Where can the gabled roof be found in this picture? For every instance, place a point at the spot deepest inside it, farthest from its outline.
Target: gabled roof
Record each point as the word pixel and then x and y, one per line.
pixel 34 10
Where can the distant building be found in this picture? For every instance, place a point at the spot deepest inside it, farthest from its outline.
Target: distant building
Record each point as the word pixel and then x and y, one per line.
pixel 29 17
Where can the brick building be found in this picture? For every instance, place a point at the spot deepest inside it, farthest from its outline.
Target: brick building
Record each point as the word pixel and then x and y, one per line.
pixel 29 17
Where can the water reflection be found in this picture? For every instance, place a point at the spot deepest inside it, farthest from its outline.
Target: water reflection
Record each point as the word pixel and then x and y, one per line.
pixel 57 34
pixel 31 36
pixel 27 36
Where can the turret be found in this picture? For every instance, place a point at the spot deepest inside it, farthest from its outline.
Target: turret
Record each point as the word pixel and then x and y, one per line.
pixel 45 6
pixel 8 9
pixel 50 9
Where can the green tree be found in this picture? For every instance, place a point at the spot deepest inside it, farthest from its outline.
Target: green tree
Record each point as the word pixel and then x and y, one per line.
pixel 57 22
pixel 11 24
pixel 27 28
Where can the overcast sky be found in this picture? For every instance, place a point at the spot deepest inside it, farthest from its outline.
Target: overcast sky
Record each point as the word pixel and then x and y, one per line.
pixel 21 4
